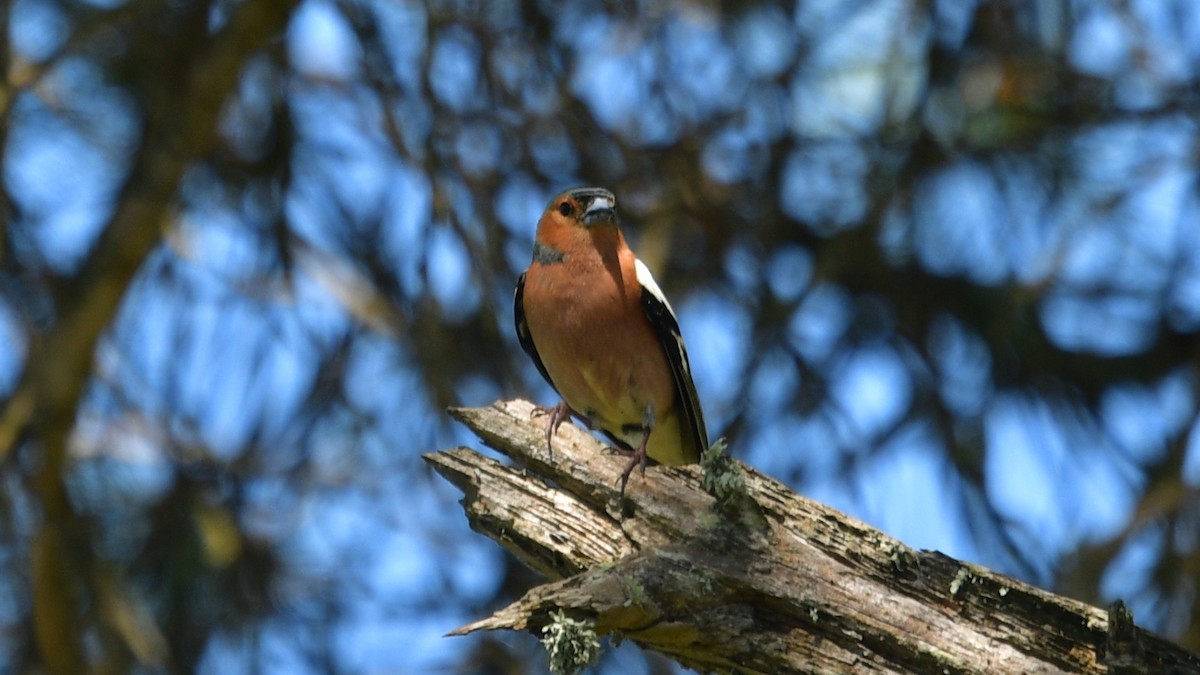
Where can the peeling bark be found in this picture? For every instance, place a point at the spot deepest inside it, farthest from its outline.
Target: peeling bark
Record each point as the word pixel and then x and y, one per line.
pixel 771 582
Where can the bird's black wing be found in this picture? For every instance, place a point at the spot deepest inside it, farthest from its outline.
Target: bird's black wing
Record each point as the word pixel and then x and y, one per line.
pixel 523 330
pixel 666 328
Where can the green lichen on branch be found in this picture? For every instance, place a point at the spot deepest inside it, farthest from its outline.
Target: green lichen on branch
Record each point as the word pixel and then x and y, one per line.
pixel 636 593
pixel 723 478
pixel 963 576
pixel 571 643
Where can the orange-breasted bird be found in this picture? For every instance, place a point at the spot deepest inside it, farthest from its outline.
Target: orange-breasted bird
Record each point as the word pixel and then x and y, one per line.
pixel 600 331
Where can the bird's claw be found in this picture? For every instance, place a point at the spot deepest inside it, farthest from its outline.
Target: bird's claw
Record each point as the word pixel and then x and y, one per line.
pixel 558 414
pixel 637 458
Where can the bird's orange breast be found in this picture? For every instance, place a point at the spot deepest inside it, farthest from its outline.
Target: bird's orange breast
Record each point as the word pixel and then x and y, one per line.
pixel 587 321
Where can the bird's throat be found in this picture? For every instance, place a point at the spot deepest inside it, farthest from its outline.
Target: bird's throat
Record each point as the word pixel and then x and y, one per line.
pixel 547 255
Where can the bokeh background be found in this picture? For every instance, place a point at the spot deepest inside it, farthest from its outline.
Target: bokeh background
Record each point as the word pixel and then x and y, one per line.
pixel 937 263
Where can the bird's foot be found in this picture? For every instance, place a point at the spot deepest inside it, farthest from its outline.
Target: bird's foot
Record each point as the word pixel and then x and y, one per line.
pixel 637 458
pixel 558 414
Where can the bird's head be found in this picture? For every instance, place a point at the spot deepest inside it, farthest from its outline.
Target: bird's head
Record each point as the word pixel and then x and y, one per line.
pixel 580 217
pixel 584 207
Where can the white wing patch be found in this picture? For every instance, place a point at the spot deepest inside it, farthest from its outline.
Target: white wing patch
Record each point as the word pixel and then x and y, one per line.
pixel 647 281
pixel 689 419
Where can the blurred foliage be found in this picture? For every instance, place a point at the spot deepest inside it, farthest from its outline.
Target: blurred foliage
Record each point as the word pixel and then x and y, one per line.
pixel 937 262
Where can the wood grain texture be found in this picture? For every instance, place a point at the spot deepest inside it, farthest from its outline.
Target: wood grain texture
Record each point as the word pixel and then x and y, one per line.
pixel 775 583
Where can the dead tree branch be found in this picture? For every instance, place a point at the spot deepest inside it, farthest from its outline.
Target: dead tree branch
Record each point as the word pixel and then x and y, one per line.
pixel 770 582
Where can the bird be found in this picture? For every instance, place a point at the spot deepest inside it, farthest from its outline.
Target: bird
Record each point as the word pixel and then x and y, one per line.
pixel 599 329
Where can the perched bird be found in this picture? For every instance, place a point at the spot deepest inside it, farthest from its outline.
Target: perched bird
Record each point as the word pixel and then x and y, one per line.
pixel 599 330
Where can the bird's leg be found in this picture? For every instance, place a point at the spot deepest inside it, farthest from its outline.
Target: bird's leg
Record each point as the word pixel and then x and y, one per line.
pixel 638 457
pixel 558 414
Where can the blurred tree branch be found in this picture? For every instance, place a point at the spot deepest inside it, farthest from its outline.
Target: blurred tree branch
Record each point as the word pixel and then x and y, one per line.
pixel 795 587
pixel 184 75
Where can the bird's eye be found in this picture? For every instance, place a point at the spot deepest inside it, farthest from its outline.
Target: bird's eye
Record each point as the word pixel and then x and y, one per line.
pixel 566 209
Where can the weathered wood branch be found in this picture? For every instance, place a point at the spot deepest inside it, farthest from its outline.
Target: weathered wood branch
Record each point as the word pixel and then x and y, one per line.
pixel 769 582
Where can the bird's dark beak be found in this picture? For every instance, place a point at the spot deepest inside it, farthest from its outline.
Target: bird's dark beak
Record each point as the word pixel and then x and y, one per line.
pixel 599 210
